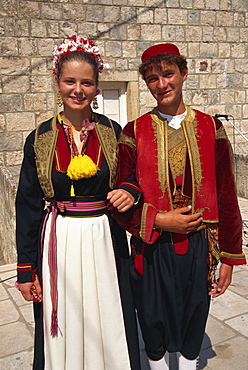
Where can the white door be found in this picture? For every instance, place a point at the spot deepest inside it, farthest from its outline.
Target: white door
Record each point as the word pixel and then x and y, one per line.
pixel 112 101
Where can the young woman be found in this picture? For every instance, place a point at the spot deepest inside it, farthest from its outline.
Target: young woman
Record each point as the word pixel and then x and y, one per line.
pixel 73 257
pixel 181 160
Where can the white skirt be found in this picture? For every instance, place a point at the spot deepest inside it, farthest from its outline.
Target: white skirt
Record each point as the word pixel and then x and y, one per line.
pixel 91 333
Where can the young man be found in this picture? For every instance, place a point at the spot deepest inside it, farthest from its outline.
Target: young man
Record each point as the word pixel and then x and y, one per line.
pixel 189 217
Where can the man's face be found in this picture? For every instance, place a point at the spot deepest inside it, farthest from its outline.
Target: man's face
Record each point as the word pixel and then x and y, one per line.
pixel 165 84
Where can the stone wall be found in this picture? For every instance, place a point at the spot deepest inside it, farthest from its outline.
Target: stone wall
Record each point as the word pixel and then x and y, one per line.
pixel 7 216
pixel 212 34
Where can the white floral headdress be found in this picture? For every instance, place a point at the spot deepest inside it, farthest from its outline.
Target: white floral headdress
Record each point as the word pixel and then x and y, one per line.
pixel 76 43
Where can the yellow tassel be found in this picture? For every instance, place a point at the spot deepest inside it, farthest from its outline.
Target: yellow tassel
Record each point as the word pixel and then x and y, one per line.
pixel 72 192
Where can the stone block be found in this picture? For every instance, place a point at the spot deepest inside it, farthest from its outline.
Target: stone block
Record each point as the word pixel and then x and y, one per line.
pixel 12 334
pixel 18 361
pixel 120 2
pixel 128 14
pixel 238 50
pixel 15 84
pixel 2 122
pixel 209 50
pixel 29 9
pixel 20 121
pixel 161 16
pixel 186 4
pixel 112 14
pixel 224 19
pixel 245 110
pixel 241 65
pixel 172 4
pixel 113 49
pixel 193 33
pixel 230 355
pixel 177 16
pixel 192 82
pixel 121 64
pixel 136 2
pixel 14 65
pixel 208 34
pixel 133 32
pixel 146 100
pixel 41 84
pixel 208 81
pixel 13 158
pixel 198 4
pixel 39 66
pixel 38 28
pixel 213 4
pixel 10 141
pixel 199 97
pixel 240 95
pixel 224 50
pixel 119 32
pixel 194 49
pixel 45 47
pixel 94 13
pixel 232 34
pixel 194 17
pixel 51 11
pixel 129 49
pixel 234 80
pixel 27 46
pixel 35 101
pixel 11 102
pixel 52 28
pixel 239 19
pixel 68 28
pixel 227 96
pixel 208 18
pixel 145 16
pixel 150 32
pixel 8 8
pixel 72 12
pixel 243 34
pixel 220 34
pixel 8 48
pixel 85 28
pixel 8 313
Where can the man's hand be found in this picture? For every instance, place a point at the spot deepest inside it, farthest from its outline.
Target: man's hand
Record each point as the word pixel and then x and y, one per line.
pixel 178 221
pixel 121 199
pixel 225 278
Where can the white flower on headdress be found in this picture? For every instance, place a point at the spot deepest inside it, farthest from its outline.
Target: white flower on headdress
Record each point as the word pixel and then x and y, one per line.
pixel 77 43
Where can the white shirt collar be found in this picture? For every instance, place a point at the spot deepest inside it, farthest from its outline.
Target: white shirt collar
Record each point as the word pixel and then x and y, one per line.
pixel 174 121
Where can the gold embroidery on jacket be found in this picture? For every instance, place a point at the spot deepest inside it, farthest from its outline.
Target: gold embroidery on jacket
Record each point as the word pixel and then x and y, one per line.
pixel 129 141
pixel 161 138
pixel 221 133
pixel 44 146
pixel 108 142
pixel 177 151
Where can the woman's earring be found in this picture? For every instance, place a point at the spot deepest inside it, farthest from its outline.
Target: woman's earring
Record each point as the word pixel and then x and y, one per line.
pixel 95 104
pixel 59 99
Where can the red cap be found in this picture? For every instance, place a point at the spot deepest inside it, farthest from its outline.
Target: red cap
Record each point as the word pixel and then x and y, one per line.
pixel 159 49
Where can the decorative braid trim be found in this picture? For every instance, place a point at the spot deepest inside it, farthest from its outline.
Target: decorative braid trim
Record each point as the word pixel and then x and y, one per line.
pixel 239 256
pixel 24 267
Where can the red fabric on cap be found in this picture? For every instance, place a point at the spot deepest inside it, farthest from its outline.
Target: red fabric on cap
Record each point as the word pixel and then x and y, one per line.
pixel 159 49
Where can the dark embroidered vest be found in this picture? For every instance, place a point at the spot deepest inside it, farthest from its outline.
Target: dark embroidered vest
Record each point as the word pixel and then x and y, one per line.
pixel 46 137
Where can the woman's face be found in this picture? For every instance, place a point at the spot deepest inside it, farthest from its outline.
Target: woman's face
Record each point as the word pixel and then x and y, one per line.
pixel 77 85
pixel 166 87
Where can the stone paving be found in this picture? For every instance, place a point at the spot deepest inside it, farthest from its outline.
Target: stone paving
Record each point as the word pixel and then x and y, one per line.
pixel 225 344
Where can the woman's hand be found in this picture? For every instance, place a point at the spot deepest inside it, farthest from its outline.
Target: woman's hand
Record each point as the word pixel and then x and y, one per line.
pixel 121 199
pixel 26 289
pixel 177 221
pixel 225 278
